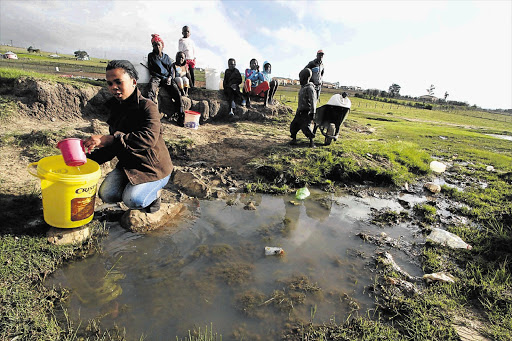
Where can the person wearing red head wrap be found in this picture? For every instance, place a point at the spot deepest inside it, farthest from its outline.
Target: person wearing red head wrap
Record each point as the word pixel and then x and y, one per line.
pixel 156 38
pixel 160 65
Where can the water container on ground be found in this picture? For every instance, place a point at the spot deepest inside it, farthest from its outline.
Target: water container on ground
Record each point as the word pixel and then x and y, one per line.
pixel 212 77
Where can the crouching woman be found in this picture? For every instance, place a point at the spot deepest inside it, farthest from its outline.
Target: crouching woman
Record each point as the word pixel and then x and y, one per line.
pixel 144 164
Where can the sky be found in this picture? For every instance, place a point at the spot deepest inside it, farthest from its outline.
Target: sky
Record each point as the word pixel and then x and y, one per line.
pixel 461 47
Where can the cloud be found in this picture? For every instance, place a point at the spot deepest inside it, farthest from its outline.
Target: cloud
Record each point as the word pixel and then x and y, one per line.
pixel 461 46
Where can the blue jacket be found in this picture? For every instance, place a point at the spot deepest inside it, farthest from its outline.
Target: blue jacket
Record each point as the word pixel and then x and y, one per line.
pixel 160 66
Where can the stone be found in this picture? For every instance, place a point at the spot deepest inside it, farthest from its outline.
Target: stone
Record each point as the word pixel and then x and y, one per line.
pixel 68 236
pixel 439 276
pixel 250 206
pixel 140 222
pixel 191 184
pixel 432 187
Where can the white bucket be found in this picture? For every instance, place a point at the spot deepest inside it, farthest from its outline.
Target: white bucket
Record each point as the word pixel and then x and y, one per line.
pixel 144 75
pixel 192 119
pixel 212 79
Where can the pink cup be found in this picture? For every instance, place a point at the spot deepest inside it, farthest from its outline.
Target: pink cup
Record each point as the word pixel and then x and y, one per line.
pixel 73 151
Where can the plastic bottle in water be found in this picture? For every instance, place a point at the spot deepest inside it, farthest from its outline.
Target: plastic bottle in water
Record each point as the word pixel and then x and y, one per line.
pixel 273 251
pixel 447 239
pixel 302 193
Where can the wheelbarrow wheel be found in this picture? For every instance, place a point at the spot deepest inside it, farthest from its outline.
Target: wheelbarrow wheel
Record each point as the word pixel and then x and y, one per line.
pixel 330 132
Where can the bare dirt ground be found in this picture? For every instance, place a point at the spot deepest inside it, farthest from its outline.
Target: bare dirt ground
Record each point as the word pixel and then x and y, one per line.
pixel 215 145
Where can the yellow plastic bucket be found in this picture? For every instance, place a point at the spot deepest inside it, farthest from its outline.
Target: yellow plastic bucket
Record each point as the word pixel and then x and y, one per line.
pixel 68 192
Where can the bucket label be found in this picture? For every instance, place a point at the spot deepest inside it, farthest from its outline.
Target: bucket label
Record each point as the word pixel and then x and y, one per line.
pixel 91 189
pixel 82 208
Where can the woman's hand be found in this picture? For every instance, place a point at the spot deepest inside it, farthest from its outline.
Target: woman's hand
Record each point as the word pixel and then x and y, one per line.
pixel 98 141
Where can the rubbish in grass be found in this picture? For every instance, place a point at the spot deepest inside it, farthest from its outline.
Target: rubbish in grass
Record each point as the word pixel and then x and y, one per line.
pixel 273 251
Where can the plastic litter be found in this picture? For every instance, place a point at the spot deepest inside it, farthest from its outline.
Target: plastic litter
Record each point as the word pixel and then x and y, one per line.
pixel 437 166
pixel 273 251
pixel 302 193
pixel 447 239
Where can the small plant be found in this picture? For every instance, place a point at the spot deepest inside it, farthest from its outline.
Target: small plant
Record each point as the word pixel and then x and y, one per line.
pixel 179 148
pixel 427 212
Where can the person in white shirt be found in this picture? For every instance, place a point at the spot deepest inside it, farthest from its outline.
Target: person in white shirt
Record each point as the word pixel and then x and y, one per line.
pixel 187 46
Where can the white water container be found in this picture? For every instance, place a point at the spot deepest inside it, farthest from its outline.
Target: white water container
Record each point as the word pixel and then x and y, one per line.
pixel 447 239
pixel 144 75
pixel 437 166
pixel 212 77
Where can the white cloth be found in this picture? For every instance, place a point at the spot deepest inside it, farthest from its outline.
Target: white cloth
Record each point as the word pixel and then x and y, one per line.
pixel 338 101
pixel 187 46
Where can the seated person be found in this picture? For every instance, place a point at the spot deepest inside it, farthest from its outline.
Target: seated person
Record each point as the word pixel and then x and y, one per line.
pixel 267 70
pixel 231 84
pixel 159 65
pixel 254 84
pixel 180 73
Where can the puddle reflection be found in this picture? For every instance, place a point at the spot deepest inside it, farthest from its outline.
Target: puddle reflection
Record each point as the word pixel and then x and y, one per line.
pixel 214 270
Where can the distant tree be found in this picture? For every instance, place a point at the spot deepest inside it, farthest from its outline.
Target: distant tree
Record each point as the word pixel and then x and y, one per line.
pixel 394 90
pixel 430 90
pixel 31 49
pixel 80 54
pixel 446 94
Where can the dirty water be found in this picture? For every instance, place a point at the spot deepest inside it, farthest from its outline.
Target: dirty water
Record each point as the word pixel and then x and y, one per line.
pixel 503 137
pixel 214 270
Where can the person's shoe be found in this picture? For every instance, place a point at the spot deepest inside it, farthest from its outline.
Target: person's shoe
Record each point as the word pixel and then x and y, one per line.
pixel 312 144
pixel 243 103
pixel 155 205
pixel 231 112
pixel 293 142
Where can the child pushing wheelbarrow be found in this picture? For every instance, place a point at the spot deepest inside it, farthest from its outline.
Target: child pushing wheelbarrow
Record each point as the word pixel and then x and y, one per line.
pixel 330 116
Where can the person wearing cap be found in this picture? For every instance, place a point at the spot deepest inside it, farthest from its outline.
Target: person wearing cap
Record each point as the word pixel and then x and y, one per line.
pixel 317 67
pixel 306 109
pixel 266 73
pixel 160 65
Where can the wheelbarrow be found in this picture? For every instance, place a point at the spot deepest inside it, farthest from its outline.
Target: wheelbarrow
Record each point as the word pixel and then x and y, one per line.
pixel 330 116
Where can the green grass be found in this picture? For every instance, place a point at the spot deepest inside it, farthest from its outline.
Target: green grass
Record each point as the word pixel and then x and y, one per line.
pixel 44 56
pixel 28 309
pixel 9 74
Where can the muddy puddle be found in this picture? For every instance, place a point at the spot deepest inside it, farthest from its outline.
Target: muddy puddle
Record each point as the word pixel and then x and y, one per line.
pixel 214 270
pixel 503 137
